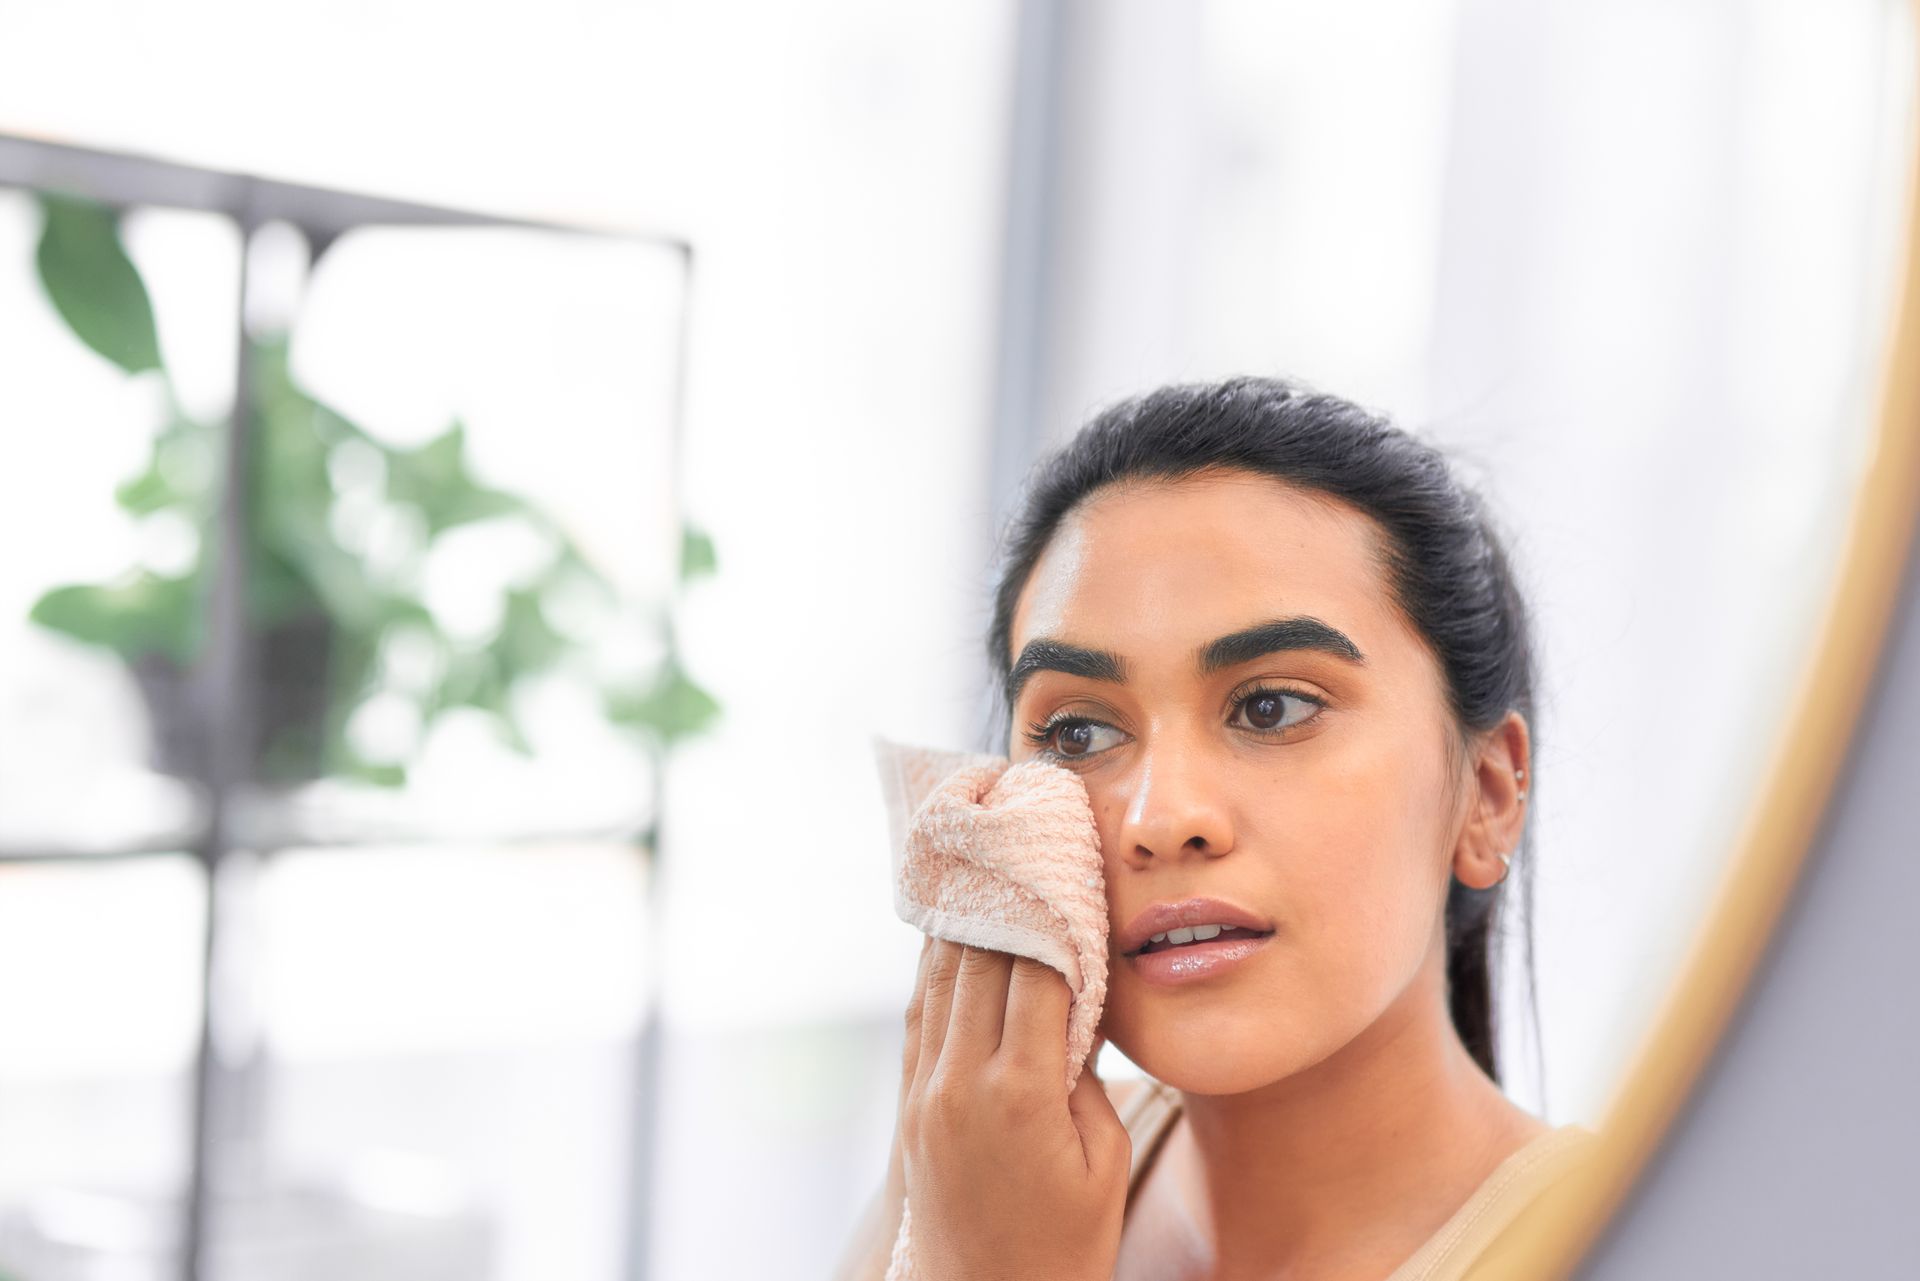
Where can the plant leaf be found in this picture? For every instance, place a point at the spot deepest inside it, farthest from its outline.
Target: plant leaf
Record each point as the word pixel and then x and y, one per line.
pixel 672 708
pixel 527 642
pixel 434 478
pixel 93 284
pixel 696 553
pixel 134 616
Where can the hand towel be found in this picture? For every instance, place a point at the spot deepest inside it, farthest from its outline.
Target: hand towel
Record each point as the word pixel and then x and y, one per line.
pixel 1002 856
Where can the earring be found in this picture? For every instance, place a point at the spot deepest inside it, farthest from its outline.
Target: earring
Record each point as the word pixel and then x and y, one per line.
pixel 1506 866
pixel 1506 860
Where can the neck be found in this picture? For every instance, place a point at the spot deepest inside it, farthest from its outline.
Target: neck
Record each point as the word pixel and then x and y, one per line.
pixel 1351 1164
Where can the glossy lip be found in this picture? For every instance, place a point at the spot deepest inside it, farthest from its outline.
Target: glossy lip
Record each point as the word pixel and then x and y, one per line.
pixel 1193 964
pixel 1162 917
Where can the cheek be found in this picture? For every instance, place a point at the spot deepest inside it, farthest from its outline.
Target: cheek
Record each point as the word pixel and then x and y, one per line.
pixel 1360 920
pixel 1360 892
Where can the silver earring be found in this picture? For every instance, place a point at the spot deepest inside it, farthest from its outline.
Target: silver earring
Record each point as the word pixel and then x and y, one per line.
pixel 1506 860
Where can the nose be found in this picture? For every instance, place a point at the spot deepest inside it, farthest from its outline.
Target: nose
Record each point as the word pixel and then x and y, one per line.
pixel 1176 808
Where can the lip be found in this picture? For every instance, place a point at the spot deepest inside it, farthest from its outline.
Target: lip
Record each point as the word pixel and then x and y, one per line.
pixel 1162 917
pixel 1196 961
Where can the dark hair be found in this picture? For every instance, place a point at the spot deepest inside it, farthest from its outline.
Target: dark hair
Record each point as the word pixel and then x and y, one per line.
pixel 1448 571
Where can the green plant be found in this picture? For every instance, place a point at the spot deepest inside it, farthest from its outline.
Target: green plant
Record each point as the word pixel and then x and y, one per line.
pixel 338 525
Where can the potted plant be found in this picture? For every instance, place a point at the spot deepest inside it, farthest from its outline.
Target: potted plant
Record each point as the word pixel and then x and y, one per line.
pixel 337 523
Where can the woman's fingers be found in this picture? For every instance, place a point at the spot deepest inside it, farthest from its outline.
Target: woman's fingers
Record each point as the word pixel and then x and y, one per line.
pixel 942 962
pixel 979 1004
pixel 1035 1035
pixel 1007 1174
pixel 910 1053
pixel 971 1003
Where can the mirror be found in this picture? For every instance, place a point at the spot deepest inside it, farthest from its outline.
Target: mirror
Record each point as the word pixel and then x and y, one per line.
pixel 1652 326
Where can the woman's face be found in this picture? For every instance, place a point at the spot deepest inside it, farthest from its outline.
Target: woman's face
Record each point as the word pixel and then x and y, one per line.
pixel 1326 806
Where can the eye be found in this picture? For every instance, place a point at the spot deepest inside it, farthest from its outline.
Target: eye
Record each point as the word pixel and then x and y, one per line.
pixel 1266 709
pixel 1066 737
pixel 1080 738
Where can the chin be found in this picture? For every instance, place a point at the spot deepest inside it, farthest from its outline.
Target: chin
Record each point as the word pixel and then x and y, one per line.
pixel 1195 1074
pixel 1216 1051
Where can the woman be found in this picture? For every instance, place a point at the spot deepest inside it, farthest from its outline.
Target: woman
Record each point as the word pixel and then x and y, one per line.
pixel 1283 648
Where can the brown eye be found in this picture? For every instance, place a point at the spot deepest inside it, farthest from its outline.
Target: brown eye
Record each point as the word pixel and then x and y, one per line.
pixel 1266 709
pixel 1072 738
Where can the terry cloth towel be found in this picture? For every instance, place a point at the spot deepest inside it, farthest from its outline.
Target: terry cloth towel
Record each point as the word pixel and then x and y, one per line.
pixel 1000 856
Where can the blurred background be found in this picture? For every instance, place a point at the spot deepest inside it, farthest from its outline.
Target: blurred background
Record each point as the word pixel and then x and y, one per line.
pixel 482 472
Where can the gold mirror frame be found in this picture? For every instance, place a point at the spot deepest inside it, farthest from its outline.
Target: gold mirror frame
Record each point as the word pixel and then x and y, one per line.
pixel 1561 1229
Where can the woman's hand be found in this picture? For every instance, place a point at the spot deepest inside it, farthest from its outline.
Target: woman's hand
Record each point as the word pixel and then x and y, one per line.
pixel 1008 1176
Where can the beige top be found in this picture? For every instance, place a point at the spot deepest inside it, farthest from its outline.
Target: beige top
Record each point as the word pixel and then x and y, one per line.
pixel 1149 1115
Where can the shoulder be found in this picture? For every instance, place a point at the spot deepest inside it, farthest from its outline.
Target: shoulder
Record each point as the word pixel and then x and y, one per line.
pixel 1557 1194
pixel 1484 1239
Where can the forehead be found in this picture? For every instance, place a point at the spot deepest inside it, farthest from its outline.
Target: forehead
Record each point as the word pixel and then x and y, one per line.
pixel 1171 564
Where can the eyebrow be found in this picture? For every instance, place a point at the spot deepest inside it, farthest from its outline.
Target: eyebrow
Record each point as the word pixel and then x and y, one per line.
pixel 1274 636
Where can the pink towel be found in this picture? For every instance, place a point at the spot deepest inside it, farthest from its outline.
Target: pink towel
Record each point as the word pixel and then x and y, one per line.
pixel 1000 856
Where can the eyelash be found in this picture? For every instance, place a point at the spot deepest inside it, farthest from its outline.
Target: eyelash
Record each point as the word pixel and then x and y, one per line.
pixel 1040 733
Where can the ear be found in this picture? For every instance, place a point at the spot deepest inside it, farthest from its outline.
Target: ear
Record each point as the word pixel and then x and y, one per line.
pixel 1497 800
